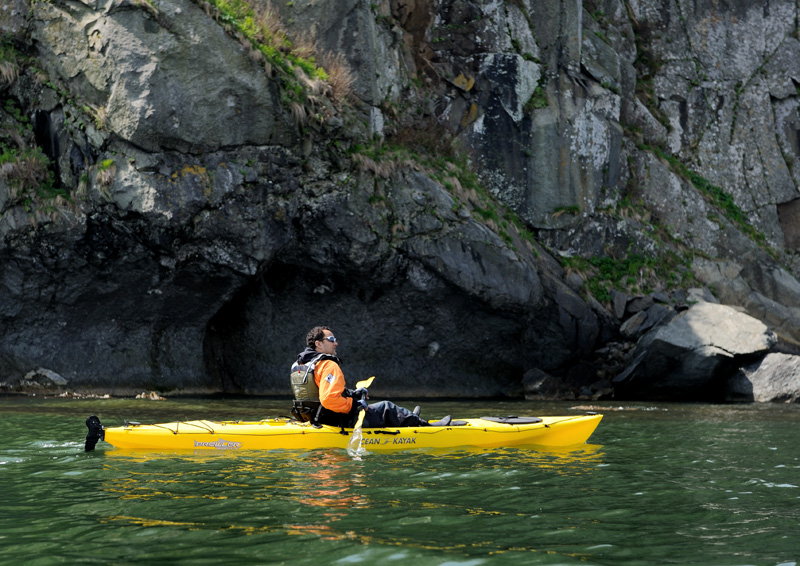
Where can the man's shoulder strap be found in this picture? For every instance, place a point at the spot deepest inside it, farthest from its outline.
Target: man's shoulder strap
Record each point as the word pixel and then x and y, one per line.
pixel 323 357
pixel 313 361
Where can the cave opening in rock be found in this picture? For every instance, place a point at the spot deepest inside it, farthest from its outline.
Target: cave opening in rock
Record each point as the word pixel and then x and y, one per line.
pixel 439 342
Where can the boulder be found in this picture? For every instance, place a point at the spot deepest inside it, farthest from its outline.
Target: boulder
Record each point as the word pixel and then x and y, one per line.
pixel 692 355
pixel 13 18
pixel 165 77
pixel 639 304
pixel 644 320
pixel 774 379
pixel 37 380
pixel 700 295
pixel 766 291
pixel 618 303
pixel 630 327
pixel 539 385
pixel 45 376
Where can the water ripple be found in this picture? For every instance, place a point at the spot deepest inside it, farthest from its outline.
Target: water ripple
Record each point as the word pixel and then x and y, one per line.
pixel 689 483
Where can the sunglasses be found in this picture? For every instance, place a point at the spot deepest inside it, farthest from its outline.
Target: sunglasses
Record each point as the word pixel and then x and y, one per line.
pixel 330 338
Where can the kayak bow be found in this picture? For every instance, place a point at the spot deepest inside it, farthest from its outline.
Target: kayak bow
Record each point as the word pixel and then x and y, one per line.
pixel 273 434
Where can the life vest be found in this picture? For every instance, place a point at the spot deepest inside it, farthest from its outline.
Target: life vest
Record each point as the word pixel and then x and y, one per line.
pixel 307 406
pixel 304 386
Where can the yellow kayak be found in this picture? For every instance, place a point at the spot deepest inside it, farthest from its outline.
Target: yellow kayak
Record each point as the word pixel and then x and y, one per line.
pixel 282 433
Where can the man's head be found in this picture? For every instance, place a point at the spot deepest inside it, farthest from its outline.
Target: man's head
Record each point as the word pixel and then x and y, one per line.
pixel 321 339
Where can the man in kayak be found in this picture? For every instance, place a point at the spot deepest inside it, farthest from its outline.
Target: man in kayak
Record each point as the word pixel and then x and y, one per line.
pixel 321 396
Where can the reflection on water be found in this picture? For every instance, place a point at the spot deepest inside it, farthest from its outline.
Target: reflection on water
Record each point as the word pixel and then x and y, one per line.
pixel 334 486
pixel 587 454
pixel 330 481
pixel 324 494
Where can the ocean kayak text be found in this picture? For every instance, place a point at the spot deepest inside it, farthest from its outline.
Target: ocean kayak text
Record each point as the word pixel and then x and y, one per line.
pixel 390 441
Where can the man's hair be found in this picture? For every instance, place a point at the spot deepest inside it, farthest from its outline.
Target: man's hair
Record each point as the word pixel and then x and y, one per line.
pixel 316 333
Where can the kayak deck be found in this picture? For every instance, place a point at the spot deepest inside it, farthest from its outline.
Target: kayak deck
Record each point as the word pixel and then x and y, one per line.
pixel 273 434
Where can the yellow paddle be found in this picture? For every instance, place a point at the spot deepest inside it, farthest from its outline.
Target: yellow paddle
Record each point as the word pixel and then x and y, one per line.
pixel 366 383
pixel 359 422
pixel 354 445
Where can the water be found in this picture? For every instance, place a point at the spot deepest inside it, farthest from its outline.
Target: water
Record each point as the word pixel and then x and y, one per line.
pixel 659 484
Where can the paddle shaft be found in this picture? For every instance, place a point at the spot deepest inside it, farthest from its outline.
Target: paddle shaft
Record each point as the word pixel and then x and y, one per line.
pixel 357 428
pixel 360 420
pixel 365 383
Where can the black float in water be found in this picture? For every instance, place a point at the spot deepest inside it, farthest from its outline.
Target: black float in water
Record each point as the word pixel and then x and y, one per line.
pixel 95 433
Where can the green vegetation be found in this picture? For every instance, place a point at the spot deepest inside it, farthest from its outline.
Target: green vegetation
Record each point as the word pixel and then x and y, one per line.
pixel 669 266
pixel 28 175
pixel 721 199
pixel 23 165
pixel 26 169
pixel 633 274
pixel 264 32
pixel 105 173
pixel 432 152
pixel 9 66
pixel 539 97
pixel 524 9
pixel 258 28
pixel 603 37
pixel 572 209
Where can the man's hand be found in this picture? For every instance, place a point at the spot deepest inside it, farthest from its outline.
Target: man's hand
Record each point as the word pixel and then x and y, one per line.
pixel 361 393
pixel 361 404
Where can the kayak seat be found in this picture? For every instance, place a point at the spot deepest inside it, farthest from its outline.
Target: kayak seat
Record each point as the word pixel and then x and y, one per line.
pixel 513 420
pixel 306 411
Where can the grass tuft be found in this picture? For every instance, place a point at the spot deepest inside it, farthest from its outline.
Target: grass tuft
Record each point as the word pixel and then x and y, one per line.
pixel 106 171
pixel 257 26
pixel 9 66
pixel 340 75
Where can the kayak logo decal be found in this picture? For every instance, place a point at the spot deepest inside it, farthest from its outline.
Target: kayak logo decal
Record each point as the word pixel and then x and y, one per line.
pixel 390 441
pixel 218 444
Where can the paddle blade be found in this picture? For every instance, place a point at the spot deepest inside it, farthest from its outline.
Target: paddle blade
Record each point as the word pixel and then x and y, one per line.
pixel 354 448
pixel 366 383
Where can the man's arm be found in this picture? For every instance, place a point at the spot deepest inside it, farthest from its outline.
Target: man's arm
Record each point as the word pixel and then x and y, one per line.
pixel 330 380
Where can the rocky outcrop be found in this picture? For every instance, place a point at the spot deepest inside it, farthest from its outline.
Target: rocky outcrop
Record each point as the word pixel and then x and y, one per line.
pixel 195 246
pixel 39 380
pixel 691 357
pixel 209 204
pixel 765 290
pixel 776 378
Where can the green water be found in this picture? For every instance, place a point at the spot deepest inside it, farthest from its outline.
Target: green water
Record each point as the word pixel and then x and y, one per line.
pixel 659 484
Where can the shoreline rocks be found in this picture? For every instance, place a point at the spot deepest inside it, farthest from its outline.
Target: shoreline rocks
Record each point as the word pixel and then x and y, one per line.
pixel 692 355
pixel 773 379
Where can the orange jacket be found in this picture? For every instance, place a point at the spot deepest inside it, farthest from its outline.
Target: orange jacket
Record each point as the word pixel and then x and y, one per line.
pixel 330 380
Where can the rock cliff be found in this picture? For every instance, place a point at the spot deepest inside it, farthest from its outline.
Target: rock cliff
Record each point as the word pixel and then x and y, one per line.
pixel 467 192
